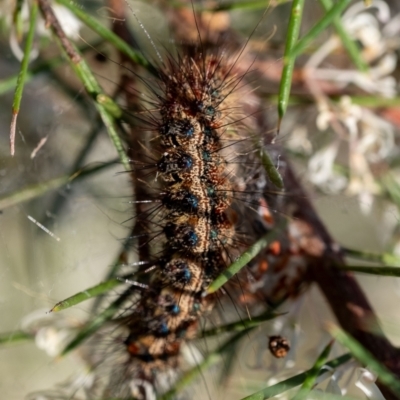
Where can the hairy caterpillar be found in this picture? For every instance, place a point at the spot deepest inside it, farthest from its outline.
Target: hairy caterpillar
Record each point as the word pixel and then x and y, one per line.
pixel 198 116
pixel 205 146
pixel 199 123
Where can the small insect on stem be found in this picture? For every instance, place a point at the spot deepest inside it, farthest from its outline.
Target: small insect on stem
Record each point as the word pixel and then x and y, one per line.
pixel 278 346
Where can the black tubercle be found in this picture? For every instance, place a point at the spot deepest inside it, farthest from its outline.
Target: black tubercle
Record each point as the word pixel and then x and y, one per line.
pixel 182 201
pixel 182 127
pixel 177 272
pixel 181 236
pixel 174 162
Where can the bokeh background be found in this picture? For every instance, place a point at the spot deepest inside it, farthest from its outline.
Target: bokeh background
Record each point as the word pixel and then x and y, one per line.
pixel 89 218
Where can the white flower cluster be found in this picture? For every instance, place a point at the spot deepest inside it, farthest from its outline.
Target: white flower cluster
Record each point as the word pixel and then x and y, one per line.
pixel 376 34
pixel 70 24
pixel 51 334
pixel 362 138
pixel 369 138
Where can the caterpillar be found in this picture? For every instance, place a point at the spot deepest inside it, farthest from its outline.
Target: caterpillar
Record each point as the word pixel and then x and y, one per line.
pixel 195 120
pixel 202 197
pixel 193 113
pixel 198 119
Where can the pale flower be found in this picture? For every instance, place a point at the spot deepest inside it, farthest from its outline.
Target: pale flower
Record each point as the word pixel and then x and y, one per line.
pixel 377 140
pixel 52 333
pixel 321 169
pixel 298 141
pixel 365 28
pixel 369 139
pixel 324 117
pixel 350 115
pixel 70 24
pixel 141 389
pixel 366 382
pixel 378 50
pixel 51 340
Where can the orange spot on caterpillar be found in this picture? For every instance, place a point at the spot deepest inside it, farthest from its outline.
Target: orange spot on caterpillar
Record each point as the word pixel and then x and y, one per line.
pixel 266 213
pixel 275 247
pixel 263 266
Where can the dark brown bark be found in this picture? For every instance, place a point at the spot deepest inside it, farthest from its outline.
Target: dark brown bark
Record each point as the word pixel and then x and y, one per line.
pixel 344 295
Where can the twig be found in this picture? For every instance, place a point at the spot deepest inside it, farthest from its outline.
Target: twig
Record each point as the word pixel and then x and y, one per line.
pixel 107 109
pixel 52 22
pixel 346 298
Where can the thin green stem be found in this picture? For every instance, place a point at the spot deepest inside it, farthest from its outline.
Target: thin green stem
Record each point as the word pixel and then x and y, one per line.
pixel 365 357
pixel 245 258
pixel 241 325
pixel 384 258
pixel 92 326
pixel 14 337
pixel 18 22
pixel 22 74
pixel 289 58
pixel 89 293
pixel 294 381
pixel 322 24
pixel 313 373
pixel 9 83
pixel 241 5
pixel 90 83
pixel 348 43
pixel 39 189
pixel 106 34
pixel 380 271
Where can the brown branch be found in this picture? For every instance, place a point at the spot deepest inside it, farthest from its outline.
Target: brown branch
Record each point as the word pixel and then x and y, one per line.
pixel 347 300
pixel 52 22
pixel 128 82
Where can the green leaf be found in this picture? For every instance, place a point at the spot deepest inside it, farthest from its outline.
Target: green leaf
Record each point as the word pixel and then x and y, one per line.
pixel 94 325
pixel 39 189
pixel 271 170
pixel 22 74
pixel 289 57
pixel 382 271
pixel 245 258
pixel 391 186
pixel 89 293
pixel 106 33
pixel 90 83
pixel 243 324
pixel 45 66
pixel 366 358
pixel 383 258
pixel 322 24
pixel 294 381
pixel 348 43
pixel 18 20
pixel 313 373
pixel 113 270
pixel 14 337
pixel 241 5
